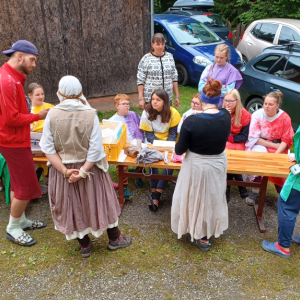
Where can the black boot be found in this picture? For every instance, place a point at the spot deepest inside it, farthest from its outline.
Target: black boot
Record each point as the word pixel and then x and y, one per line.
pixel 228 193
pixel 243 191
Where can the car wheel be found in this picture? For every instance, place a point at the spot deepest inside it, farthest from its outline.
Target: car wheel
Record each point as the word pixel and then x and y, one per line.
pixel 254 105
pixel 245 60
pixel 183 75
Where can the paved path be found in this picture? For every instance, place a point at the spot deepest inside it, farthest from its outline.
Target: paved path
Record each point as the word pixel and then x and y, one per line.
pixel 107 103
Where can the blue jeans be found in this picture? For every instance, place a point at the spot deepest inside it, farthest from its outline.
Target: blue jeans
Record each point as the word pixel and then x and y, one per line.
pixel 287 214
pixel 160 184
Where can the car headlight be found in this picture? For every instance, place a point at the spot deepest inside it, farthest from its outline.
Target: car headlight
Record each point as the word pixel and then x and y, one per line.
pixel 201 60
pixel 240 54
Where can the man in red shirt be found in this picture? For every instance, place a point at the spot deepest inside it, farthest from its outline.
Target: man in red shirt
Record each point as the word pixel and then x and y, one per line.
pixel 15 144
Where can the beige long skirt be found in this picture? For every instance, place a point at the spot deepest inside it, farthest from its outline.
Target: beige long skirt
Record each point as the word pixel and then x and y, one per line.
pixel 86 206
pixel 199 204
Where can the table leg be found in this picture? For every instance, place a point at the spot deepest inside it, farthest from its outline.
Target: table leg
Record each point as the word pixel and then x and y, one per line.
pixel 121 186
pixel 260 207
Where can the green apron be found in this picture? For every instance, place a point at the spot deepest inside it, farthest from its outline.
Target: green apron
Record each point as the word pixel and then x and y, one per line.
pixel 4 174
pixel 292 182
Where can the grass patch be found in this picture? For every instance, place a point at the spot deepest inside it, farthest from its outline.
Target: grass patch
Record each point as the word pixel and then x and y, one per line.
pixel 242 260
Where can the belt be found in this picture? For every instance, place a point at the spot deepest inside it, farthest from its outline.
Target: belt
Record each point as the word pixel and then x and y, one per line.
pixel 277 141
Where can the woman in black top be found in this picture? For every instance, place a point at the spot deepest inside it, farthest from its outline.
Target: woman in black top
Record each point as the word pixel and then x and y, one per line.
pixel 199 203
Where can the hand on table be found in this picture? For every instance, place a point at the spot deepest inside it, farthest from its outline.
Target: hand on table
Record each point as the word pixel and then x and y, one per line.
pixel 292 159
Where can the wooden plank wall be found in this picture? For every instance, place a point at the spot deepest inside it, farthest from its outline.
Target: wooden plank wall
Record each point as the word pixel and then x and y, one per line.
pixel 101 42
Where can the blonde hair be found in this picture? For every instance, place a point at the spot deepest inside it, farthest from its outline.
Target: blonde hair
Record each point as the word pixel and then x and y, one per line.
pixel 121 97
pixel 221 48
pixel 278 96
pixel 236 120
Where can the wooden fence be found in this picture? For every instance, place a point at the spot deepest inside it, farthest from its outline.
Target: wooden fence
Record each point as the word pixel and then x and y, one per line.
pixel 236 34
pixel 101 42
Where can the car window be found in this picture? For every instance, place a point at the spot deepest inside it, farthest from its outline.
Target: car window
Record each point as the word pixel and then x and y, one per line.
pixel 193 33
pixel 288 34
pixel 266 63
pixel 209 20
pixel 160 29
pixel 265 31
pixel 292 70
pixel 278 68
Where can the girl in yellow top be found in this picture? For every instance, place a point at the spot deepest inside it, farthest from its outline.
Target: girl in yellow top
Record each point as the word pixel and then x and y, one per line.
pixel 36 94
pixel 159 121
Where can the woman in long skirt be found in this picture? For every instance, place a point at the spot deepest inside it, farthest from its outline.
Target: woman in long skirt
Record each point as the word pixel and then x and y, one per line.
pixel 199 205
pixel 82 198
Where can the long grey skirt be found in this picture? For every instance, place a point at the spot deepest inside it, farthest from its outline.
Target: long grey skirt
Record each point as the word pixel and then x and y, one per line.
pixel 86 206
pixel 199 204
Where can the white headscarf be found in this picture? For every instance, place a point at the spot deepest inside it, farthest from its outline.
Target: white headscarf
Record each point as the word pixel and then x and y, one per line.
pixel 71 86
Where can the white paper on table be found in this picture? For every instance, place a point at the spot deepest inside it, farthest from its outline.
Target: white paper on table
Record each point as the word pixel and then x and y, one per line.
pixel 122 156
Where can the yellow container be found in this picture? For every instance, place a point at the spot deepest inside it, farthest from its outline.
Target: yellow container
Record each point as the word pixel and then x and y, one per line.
pixel 113 151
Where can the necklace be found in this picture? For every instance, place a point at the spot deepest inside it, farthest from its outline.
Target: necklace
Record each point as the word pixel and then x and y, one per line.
pixel 209 108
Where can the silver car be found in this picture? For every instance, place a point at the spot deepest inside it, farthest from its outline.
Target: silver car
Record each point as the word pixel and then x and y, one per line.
pixel 261 34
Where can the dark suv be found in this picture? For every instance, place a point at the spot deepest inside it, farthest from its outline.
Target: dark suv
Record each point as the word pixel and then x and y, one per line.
pixel 277 68
pixel 211 20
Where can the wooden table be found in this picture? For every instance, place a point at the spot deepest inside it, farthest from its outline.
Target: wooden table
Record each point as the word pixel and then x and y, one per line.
pixel 239 162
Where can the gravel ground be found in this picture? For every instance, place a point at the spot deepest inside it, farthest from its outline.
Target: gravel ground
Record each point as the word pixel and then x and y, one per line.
pixel 61 283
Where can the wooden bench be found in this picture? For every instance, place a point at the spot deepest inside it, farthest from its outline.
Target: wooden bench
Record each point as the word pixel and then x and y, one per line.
pixel 239 162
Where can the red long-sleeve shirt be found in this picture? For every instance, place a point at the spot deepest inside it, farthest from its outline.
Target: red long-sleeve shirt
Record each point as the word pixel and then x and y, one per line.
pixel 14 117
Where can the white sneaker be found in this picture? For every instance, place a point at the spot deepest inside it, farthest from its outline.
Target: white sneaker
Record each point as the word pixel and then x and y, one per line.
pixel 250 200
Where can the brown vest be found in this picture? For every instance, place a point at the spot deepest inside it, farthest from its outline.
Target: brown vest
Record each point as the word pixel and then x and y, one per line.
pixel 71 131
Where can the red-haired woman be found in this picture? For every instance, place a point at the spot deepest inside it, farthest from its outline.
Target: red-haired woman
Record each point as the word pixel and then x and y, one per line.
pixel 199 204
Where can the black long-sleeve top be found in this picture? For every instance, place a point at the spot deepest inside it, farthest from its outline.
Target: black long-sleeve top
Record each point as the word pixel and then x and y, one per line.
pixel 204 133
pixel 242 137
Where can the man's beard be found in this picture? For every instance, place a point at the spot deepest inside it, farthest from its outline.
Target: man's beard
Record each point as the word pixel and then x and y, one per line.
pixel 25 69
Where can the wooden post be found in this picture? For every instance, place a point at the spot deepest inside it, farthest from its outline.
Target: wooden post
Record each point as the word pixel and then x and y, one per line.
pixel 260 207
